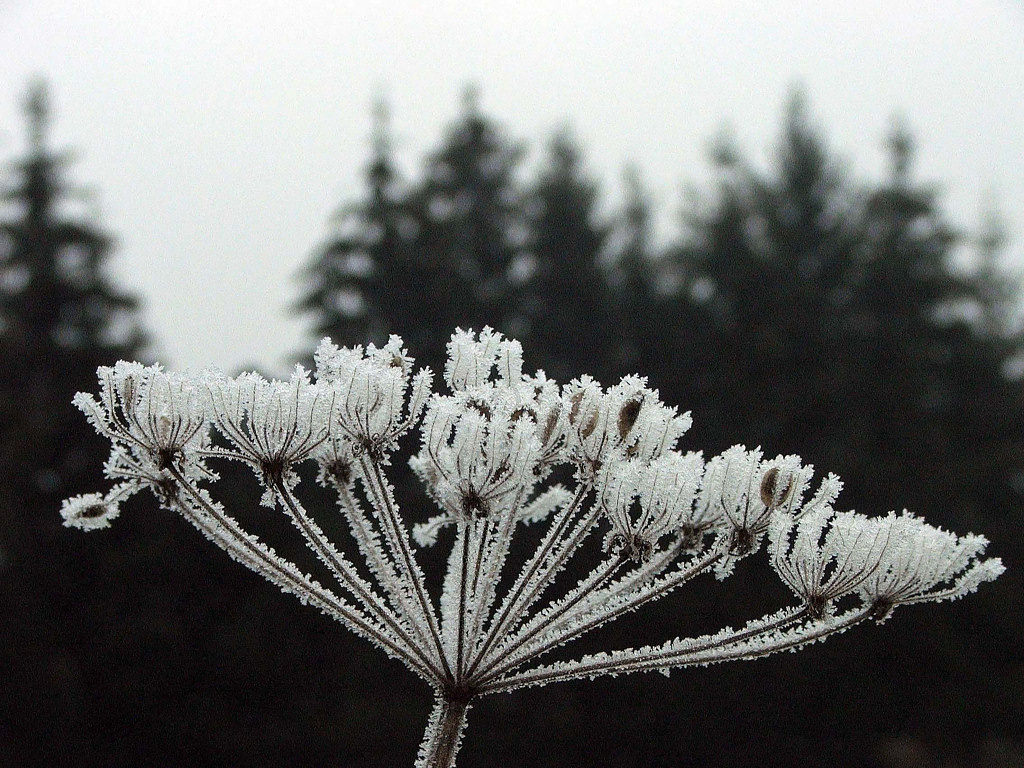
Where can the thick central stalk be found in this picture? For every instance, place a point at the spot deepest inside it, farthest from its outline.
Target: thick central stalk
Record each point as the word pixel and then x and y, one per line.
pixel 444 731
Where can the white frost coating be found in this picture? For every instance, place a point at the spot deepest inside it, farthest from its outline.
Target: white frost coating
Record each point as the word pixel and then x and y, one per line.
pixel 373 387
pixel 741 490
pixel 664 490
pixel 152 419
pixel 487 447
pixel 922 563
pixel 471 359
pixel 271 425
pixel 627 421
pixel 822 566
pixel 89 511
pixel 892 560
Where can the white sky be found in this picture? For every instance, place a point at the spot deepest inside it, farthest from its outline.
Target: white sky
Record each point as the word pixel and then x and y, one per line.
pixel 220 136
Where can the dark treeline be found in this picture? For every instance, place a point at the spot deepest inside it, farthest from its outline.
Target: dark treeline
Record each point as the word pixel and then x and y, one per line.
pixel 795 307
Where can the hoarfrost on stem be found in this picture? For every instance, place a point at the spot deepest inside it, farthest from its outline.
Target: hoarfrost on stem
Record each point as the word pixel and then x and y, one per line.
pixel 487 447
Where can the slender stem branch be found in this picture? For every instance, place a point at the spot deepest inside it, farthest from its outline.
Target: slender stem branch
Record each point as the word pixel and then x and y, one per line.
pixel 460 633
pixel 612 599
pixel 381 567
pixel 493 553
pixel 224 532
pixel 346 575
pixel 506 654
pixel 562 552
pixel 480 584
pixel 711 651
pixel 533 578
pixel 443 735
pixel 608 610
pixel 395 532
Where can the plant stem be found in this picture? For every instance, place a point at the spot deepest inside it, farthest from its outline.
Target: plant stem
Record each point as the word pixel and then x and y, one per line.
pixel 444 732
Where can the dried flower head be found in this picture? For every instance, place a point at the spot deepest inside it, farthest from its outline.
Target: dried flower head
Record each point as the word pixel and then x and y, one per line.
pixel 271 425
pixel 89 511
pixel 374 387
pixel 487 447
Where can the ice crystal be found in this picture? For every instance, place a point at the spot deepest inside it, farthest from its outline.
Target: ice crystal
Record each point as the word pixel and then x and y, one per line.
pixel 487 448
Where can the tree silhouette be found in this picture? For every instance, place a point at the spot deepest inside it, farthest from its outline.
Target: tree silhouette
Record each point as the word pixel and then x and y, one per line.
pixel 568 298
pixel 829 314
pixel 471 236
pixel 60 317
pixel 424 258
pixel 367 281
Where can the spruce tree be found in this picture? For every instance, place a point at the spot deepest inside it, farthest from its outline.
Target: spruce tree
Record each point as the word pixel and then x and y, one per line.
pixel 60 314
pixel 568 304
pixel 425 257
pixel 765 266
pixel 472 237
pixel 813 302
pixel 632 279
pixel 929 355
pixel 820 311
pixel 367 280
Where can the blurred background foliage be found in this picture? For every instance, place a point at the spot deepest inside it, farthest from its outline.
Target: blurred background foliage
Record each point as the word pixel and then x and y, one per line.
pixel 795 307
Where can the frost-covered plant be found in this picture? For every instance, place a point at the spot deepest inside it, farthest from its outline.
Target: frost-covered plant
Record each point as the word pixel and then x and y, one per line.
pixel 488 445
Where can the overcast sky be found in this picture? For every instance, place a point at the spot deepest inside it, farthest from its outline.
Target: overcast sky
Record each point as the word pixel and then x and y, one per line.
pixel 220 136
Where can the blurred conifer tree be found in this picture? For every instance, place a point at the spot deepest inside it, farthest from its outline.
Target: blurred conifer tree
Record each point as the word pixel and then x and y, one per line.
pixel 60 315
pixel 420 260
pixel 830 316
pixel 568 297
pixel 367 281
pixel 637 269
pixel 472 233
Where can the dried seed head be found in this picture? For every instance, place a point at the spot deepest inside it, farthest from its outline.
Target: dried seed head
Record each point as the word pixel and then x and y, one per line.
pixel 628 415
pixel 549 426
pixel 743 542
pixel 630 546
pixel 89 512
pixel 576 401
pixel 817 605
pixel 773 490
pixel 690 538
pixel 881 609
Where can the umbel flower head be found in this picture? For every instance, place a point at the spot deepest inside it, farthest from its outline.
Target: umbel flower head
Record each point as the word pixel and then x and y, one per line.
pixel 886 561
pixel 155 421
pixel 488 445
pixel 373 387
pixel 271 425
